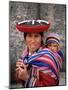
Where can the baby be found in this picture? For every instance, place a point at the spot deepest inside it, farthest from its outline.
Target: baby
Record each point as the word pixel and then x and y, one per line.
pixel 53 43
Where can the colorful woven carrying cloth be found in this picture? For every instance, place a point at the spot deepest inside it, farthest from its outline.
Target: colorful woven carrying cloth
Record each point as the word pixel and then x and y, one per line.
pixel 44 58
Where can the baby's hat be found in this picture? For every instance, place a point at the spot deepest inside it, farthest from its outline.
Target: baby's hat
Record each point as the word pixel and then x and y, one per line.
pixel 52 37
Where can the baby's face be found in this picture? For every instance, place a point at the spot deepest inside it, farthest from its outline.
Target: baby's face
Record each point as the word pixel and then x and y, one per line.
pixel 53 46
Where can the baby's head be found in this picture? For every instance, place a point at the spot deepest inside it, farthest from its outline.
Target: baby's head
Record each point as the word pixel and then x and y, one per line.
pixel 53 42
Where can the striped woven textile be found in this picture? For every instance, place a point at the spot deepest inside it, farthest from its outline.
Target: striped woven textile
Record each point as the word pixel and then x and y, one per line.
pixel 44 58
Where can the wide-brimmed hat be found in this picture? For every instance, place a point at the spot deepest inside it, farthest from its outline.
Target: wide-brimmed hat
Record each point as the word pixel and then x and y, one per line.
pixel 33 26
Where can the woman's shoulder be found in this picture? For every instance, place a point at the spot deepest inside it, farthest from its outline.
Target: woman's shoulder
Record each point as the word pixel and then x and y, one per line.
pixel 46 49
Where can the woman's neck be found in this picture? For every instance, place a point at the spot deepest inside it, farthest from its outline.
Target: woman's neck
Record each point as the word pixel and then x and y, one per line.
pixel 33 52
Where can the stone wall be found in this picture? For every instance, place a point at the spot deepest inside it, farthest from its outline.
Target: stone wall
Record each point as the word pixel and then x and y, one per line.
pixel 18 11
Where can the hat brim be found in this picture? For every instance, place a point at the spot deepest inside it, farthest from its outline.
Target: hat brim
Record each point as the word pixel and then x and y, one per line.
pixel 29 29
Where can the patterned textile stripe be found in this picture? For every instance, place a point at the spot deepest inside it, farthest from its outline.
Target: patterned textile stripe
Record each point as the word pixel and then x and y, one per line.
pixel 43 69
pixel 52 40
pixel 51 55
pixel 50 64
pixel 41 54
pixel 34 78
pixel 46 71
pixel 33 81
pixel 59 59
pixel 49 61
pixel 42 64
pixel 57 55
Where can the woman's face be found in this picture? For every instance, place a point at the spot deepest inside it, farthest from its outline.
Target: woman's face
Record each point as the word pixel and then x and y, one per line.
pixel 33 41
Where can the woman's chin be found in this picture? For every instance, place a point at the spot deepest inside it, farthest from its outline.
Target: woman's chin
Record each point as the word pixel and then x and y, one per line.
pixel 33 49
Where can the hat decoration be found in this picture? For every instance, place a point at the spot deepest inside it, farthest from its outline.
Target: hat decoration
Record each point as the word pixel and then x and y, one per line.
pixel 33 26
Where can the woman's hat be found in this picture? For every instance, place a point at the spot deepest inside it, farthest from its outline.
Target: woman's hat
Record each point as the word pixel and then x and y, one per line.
pixel 33 26
pixel 53 37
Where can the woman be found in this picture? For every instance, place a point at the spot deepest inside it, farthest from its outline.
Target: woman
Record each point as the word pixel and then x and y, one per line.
pixel 38 65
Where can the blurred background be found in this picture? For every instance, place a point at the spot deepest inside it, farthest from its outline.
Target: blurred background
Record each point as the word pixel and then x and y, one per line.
pixel 18 11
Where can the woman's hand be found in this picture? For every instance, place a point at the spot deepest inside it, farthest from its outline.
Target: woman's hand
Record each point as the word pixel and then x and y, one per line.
pixel 21 70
